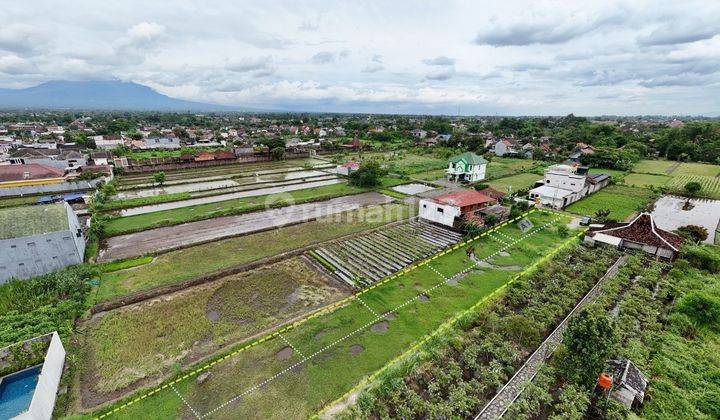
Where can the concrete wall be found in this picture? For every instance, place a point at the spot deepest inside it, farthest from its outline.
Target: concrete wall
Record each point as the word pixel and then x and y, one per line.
pixel 35 255
pixel 438 213
pixel 43 402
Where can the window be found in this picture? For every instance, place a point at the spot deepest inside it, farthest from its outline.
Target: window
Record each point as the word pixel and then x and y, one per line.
pixel 66 238
pixel 440 210
pixel 48 240
pixel 21 264
pixel 424 206
pixel 31 244
pixel 13 246
pixel 55 257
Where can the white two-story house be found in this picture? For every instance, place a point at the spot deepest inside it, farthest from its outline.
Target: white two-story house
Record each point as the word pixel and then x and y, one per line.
pixel 467 167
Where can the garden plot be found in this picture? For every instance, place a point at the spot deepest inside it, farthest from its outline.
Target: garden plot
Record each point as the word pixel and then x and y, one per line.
pixel 367 258
pixel 710 184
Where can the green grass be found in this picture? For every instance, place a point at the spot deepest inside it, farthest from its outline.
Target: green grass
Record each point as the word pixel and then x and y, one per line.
pixel 202 259
pixel 203 319
pixel 430 175
pixel 120 225
pixel 643 180
pixel 144 201
pixel 654 166
pixel 614 173
pixel 622 201
pixel 515 182
pixel 502 167
pixel 124 264
pixel 18 201
pixel 710 185
pixel 701 169
pixel 303 391
pixel 392 193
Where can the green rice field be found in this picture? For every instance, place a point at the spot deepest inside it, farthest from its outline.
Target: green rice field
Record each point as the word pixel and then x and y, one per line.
pixel 622 201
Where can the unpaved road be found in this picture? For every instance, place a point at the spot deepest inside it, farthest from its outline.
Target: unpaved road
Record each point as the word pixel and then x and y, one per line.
pixel 153 240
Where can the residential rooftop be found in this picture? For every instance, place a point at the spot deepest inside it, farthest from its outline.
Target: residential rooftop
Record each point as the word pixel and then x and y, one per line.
pixel 18 222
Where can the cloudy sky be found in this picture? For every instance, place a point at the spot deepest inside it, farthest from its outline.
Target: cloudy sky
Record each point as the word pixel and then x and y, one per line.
pixel 468 57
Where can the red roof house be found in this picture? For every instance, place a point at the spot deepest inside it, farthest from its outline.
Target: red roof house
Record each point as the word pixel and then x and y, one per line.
pixel 204 157
pixel 451 208
pixel 640 233
pixel 30 174
pixel 223 155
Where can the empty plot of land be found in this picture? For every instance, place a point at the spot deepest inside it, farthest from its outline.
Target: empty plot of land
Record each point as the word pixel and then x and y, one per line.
pixel 153 240
pixel 295 185
pixel 367 258
pixel 128 346
pixel 412 189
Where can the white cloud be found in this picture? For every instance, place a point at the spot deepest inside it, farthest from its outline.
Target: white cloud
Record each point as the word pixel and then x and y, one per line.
pixel 547 57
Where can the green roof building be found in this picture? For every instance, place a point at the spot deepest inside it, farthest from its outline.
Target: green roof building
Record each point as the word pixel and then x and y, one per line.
pixel 467 167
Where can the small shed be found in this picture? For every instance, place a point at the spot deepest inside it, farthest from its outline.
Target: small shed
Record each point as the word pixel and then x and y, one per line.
pixel 629 383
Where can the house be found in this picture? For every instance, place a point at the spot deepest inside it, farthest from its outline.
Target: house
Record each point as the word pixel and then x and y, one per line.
pixel 161 143
pixel 101 158
pixel 30 174
pixel 418 133
pixel 467 167
pixel 355 144
pixel 629 383
pixel 451 209
pixel 506 147
pixel 108 142
pixel 348 168
pixel 566 184
pixel 493 193
pixel 641 233
pixel 35 240
pixel 204 157
pixel 224 155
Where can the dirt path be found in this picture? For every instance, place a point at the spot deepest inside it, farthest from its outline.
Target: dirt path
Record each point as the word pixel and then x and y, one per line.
pixel 673 168
pixel 172 237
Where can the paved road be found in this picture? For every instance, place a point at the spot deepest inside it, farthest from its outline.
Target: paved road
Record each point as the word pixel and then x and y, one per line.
pixel 153 240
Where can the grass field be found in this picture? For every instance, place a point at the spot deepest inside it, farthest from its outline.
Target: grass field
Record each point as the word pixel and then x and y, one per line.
pixel 515 182
pixel 341 347
pixel 614 173
pixel 643 180
pixel 198 321
pixel 701 169
pixel 654 166
pixel 501 167
pixel 119 225
pixel 18 201
pixel 710 185
pixel 622 201
pixel 202 259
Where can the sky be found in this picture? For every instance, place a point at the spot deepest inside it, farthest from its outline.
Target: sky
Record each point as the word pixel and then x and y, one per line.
pixel 431 57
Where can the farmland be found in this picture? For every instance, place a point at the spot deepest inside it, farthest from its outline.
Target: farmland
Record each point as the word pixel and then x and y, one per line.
pixel 120 225
pixel 197 321
pixel 662 167
pixel 500 167
pixel 710 185
pixel 622 201
pixel 202 259
pixel 644 180
pixel 338 349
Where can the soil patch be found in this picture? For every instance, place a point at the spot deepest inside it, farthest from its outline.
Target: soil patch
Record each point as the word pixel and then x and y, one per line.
pixel 390 316
pixel 213 315
pixel 320 334
pixel 504 254
pixel 381 327
pixel 285 353
pixel 356 349
pixel 452 281
pixel 424 298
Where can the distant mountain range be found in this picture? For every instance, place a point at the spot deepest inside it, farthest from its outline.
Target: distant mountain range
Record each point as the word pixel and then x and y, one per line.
pixel 105 95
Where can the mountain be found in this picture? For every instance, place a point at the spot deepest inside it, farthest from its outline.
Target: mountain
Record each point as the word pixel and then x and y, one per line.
pixel 107 95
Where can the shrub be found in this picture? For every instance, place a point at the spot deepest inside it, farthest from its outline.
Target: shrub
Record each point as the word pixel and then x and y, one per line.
pixel 693 233
pixel 369 174
pixel 705 257
pixel 702 307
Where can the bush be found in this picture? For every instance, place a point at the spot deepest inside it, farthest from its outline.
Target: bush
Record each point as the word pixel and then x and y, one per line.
pixel 705 257
pixel 693 233
pixel 702 307
pixel 368 175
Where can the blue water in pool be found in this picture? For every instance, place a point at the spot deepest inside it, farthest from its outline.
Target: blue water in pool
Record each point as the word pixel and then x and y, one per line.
pixel 16 392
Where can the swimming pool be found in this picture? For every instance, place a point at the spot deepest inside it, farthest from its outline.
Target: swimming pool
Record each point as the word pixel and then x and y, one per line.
pixel 16 391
